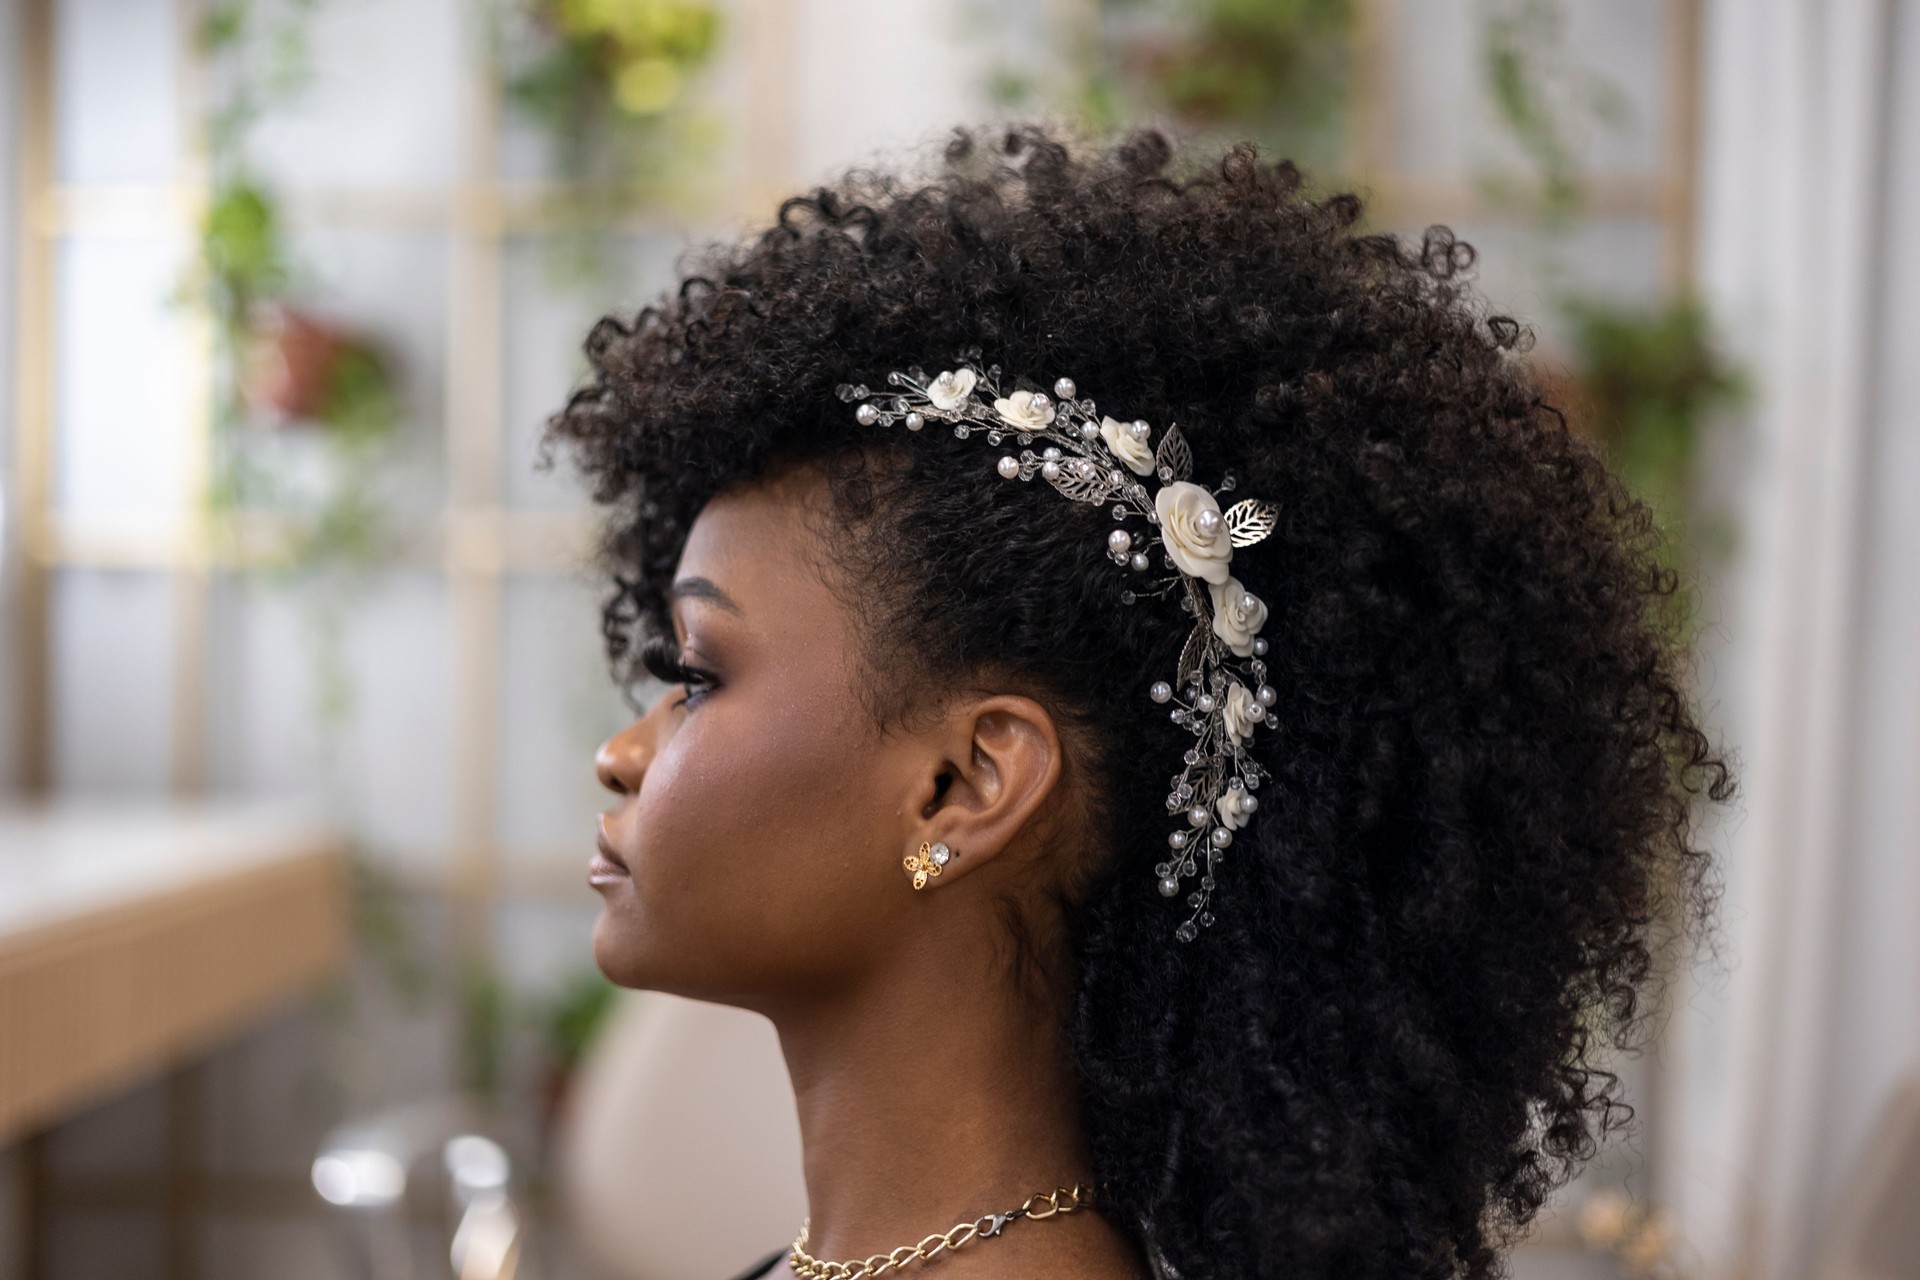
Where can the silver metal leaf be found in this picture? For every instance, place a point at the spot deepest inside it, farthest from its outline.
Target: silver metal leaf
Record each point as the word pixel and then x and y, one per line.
pixel 1080 488
pixel 1191 655
pixel 1174 454
pixel 1250 520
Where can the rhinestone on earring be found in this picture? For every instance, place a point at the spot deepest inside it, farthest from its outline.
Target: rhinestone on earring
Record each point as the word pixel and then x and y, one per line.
pixel 927 862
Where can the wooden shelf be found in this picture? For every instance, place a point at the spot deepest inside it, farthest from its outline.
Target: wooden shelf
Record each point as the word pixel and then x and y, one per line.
pixel 133 936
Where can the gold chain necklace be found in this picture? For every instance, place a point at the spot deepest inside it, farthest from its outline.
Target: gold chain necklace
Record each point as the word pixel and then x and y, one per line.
pixel 1042 1204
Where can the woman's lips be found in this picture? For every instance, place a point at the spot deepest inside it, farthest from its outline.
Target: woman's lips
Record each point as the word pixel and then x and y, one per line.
pixel 606 867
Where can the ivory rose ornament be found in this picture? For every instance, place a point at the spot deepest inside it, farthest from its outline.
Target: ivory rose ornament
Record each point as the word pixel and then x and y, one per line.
pixel 1025 410
pixel 1128 448
pixel 1232 817
pixel 1240 712
pixel 950 390
pixel 1238 615
pixel 1193 530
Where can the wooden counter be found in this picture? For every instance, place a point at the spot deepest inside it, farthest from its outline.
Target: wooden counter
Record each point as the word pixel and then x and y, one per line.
pixel 133 936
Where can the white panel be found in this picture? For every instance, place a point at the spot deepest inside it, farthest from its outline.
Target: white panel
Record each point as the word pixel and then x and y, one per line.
pixel 119 395
pixel 546 318
pixel 381 107
pixel 382 767
pixel 116 72
pixel 1444 121
pixel 112 681
pixel 557 705
pixel 875 76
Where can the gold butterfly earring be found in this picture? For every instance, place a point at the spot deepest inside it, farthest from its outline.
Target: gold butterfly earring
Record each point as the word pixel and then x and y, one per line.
pixel 927 862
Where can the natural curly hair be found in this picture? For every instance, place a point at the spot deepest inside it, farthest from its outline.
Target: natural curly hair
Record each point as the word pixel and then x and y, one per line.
pixel 1479 832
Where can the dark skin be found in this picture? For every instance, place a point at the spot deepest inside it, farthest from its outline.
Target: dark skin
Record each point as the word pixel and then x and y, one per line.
pixel 754 858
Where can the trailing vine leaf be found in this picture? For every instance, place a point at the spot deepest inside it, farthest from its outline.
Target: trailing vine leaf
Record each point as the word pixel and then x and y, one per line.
pixel 1193 654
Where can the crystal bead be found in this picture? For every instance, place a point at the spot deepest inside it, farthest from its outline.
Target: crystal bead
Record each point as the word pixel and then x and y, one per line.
pixel 961 431
pixel 940 853
pixel 1163 870
pixel 1127 597
pixel 1186 932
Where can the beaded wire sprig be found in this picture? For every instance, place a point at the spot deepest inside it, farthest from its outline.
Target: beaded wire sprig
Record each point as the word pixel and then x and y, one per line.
pixel 1219 692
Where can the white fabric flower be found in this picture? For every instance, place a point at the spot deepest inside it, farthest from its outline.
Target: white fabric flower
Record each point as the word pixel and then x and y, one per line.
pixel 1228 807
pixel 1021 411
pixel 1134 453
pixel 1233 621
pixel 1236 714
pixel 950 390
pixel 1198 541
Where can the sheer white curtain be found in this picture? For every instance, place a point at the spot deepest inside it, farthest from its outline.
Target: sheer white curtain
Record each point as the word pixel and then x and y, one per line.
pixel 1788 1050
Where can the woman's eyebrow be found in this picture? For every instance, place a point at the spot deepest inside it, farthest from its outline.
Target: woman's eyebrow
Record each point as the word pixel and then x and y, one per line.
pixel 697 588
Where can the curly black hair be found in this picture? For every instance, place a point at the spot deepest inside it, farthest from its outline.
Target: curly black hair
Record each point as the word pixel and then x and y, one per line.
pixel 1480 829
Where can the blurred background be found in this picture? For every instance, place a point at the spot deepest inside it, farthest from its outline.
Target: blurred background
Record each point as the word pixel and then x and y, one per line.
pixel 302 680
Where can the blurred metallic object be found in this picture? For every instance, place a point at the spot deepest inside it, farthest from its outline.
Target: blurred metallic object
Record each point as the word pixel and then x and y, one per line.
pixel 1876 1232
pixel 365 1167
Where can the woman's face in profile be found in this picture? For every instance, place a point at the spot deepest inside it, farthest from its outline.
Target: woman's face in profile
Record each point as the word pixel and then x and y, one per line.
pixel 755 816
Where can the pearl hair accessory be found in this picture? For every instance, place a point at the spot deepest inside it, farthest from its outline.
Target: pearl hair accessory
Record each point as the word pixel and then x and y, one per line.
pixel 1219 692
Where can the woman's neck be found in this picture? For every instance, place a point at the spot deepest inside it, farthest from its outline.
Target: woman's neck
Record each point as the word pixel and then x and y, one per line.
pixel 932 1095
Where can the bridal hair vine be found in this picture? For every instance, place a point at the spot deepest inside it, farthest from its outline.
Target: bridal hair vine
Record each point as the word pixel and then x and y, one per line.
pixel 1219 691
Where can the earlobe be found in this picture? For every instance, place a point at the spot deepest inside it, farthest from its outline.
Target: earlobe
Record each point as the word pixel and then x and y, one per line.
pixel 1001 762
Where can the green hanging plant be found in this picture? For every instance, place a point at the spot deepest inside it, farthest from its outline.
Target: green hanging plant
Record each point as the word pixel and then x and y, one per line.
pixel 611 84
pixel 1274 71
pixel 1649 381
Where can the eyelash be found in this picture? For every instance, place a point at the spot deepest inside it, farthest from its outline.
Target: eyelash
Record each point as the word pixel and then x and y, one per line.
pixel 661 659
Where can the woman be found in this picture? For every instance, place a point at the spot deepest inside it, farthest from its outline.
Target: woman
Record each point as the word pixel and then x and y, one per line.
pixel 1192 766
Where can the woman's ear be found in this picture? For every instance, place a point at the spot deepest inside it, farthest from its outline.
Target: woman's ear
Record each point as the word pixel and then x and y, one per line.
pixel 997 760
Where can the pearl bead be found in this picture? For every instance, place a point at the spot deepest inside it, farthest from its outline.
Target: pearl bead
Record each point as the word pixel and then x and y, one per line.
pixel 1265 695
pixel 1160 691
pixel 1207 522
pixel 1051 470
pixel 1140 431
pixel 1196 817
pixel 1256 712
pixel 1119 542
pixel 1222 837
pixel 915 422
pixel 1169 887
pixel 1008 466
pixel 1205 702
pixel 1088 431
pixel 866 415
pixel 1038 400
pixel 1259 647
pixel 1248 602
pixel 1065 389
pixel 1248 802
pixel 1139 562
pixel 1050 452
pixel 1177 839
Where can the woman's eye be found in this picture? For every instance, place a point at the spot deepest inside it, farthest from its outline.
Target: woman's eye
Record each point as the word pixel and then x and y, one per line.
pixel 661 659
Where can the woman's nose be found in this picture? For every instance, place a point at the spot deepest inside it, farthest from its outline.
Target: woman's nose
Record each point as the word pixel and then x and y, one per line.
pixel 622 759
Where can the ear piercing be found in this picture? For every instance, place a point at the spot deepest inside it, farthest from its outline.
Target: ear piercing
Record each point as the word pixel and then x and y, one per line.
pixel 927 862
